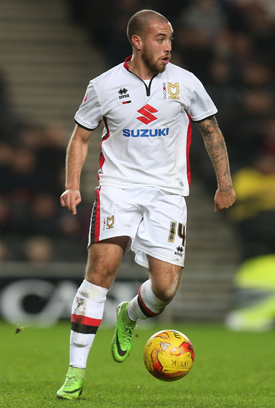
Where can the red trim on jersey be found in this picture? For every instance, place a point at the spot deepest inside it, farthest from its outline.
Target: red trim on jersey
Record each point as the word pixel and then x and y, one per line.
pixel 147 312
pixel 188 144
pixel 97 216
pixel 128 59
pixel 88 321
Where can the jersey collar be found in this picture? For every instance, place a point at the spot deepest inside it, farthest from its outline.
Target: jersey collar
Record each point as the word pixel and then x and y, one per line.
pixel 126 66
pixel 148 88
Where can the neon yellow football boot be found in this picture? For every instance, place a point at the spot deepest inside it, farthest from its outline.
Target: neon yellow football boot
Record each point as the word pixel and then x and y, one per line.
pixel 124 330
pixel 73 385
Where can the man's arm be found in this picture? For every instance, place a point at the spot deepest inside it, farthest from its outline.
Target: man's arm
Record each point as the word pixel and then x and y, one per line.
pixel 76 154
pixel 215 145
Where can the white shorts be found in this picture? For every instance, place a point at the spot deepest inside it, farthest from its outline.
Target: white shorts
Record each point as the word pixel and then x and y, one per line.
pixel 155 221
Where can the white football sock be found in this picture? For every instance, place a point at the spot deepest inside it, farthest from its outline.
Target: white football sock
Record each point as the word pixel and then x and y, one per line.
pixel 87 313
pixel 145 304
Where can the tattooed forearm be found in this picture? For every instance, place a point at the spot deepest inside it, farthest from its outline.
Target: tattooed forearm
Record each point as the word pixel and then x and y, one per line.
pixel 213 139
pixel 216 149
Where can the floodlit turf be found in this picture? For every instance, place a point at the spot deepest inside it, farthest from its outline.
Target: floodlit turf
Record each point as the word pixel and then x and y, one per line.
pixel 230 370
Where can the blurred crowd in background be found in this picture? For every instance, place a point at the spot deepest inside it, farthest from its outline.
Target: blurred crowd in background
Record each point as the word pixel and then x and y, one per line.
pixel 33 226
pixel 230 46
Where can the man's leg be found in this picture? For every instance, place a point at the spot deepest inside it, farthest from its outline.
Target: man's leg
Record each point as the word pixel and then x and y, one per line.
pixel 153 296
pixel 104 259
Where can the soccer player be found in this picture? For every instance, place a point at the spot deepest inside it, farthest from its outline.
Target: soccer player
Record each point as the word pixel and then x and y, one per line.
pixel 147 105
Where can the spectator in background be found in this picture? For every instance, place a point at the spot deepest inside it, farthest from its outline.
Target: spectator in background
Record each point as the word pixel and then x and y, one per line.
pixel 254 308
pixel 31 179
pixel 269 140
pixel 258 75
pixel 248 127
pixel 38 250
pixel 4 252
pixel 19 175
pixel 48 145
pixel 205 15
pixel 43 216
pixel 5 214
pixel 19 182
pixel 8 119
pixel 254 213
pixel 193 46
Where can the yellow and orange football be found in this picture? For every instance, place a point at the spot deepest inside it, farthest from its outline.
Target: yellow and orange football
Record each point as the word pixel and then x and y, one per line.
pixel 168 355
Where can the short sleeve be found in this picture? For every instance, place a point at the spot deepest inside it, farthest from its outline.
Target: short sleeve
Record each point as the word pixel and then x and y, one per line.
pixel 89 113
pixel 201 105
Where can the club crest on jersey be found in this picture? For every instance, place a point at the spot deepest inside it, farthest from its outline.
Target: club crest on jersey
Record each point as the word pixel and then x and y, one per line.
pixel 109 222
pixel 173 90
pixel 123 93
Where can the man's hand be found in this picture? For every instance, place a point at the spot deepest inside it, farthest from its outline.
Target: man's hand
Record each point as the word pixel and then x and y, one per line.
pixel 70 199
pixel 224 199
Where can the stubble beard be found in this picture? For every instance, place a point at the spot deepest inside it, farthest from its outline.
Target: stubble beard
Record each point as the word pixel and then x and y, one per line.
pixel 155 67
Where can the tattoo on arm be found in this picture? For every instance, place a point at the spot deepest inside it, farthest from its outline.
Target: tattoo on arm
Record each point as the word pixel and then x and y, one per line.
pixel 216 149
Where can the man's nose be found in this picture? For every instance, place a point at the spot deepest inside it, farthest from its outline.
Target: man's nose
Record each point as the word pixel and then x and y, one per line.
pixel 168 46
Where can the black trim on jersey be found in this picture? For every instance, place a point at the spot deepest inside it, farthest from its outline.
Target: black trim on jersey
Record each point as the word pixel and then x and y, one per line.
pixel 148 88
pixel 86 127
pixel 201 120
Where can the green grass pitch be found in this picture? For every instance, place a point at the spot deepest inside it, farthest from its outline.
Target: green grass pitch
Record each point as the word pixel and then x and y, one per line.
pixel 230 370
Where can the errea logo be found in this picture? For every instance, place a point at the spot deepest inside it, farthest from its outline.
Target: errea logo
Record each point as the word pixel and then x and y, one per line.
pixel 147 111
pixel 179 251
pixel 123 93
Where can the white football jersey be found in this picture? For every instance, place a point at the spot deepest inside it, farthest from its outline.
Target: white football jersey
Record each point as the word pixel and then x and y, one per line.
pixel 147 128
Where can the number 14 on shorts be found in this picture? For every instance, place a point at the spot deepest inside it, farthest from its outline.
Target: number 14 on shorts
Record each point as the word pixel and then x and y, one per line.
pixel 176 228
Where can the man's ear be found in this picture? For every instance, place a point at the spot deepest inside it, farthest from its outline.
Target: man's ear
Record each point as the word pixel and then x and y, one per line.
pixel 137 41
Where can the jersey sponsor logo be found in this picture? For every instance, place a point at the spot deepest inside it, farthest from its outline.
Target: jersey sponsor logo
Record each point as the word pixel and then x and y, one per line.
pixel 147 112
pixel 145 132
pixel 173 90
pixel 123 93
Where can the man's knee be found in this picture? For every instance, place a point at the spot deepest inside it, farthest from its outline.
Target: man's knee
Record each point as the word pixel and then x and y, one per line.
pixel 165 279
pixel 165 290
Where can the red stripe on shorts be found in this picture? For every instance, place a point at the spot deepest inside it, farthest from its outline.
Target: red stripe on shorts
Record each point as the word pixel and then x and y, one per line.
pixel 97 216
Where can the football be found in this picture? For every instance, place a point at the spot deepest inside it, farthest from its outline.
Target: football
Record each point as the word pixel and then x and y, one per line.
pixel 168 355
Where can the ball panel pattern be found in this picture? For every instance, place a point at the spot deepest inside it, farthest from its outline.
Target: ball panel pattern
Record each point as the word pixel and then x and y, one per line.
pixel 169 355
